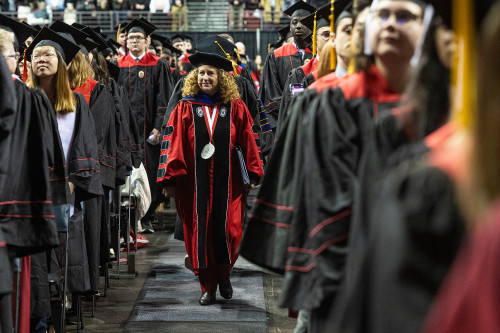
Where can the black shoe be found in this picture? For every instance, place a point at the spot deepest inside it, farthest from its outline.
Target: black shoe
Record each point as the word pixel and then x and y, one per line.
pixel 226 290
pixel 207 298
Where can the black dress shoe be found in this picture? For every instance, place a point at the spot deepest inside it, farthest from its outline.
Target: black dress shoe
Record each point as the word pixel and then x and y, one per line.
pixel 226 290
pixel 207 298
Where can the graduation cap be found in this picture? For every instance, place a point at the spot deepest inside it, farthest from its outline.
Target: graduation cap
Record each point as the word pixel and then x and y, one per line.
pixel 120 26
pixel 201 58
pixel 20 30
pixel 48 37
pixel 113 70
pixel 285 32
pixel 216 44
pixel 96 38
pixel 114 45
pixel 78 26
pixel 140 26
pixel 75 35
pixel 177 38
pixel 300 8
pixel 340 11
pixel 165 43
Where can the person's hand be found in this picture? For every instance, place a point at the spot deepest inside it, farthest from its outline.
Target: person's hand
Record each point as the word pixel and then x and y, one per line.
pixel 157 136
pixel 253 184
pixel 71 187
pixel 306 61
pixel 169 191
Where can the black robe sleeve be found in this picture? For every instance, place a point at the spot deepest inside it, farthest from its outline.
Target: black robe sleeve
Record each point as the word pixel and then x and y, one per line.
pixel 102 109
pixel 135 139
pixel 308 80
pixel 122 136
pixel 268 231
pixel 320 225
pixel 26 213
pixel 270 89
pixel 175 97
pixel 163 77
pixel 295 76
pixel 83 165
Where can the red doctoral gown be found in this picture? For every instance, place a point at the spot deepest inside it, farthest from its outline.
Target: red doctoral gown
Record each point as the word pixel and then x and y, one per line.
pixel 209 192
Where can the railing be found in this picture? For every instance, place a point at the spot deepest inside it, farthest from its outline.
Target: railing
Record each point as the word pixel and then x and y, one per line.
pixel 199 16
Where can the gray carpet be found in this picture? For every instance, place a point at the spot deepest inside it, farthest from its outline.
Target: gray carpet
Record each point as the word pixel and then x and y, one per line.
pixel 168 301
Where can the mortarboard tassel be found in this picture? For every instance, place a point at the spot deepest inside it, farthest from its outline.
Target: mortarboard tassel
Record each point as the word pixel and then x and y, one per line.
pixel 25 68
pixel 314 34
pixel 118 33
pixel 269 48
pixel 333 55
pixel 463 75
pixel 235 73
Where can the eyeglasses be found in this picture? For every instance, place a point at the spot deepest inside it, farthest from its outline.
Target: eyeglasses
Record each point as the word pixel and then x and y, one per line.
pixel 403 17
pixel 38 57
pixel 15 56
pixel 135 38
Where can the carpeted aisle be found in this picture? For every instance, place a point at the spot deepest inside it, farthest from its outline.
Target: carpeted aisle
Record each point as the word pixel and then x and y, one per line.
pixel 168 302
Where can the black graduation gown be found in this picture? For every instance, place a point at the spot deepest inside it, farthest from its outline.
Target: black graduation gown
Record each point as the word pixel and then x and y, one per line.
pixel 26 213
pixel 295 76
pixel 102 108
pixel 274 74
pixel 149 85
pixel 313 227
pixel 417 203
pixel 8 107
pixel 83 172
pixel 28 218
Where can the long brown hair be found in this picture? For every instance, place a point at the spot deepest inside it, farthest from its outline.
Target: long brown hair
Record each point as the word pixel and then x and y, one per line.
pixel 64 100
pixel 324 60
pixel 226 85
pixel 79 71
pixel 100 67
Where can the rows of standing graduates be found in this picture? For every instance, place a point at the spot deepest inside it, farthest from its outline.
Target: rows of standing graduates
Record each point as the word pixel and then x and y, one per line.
pixel 378 199
pixel 377 124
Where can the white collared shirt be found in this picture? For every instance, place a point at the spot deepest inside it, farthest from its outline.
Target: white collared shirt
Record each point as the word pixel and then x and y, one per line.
pixel 137 59
pixel 302 52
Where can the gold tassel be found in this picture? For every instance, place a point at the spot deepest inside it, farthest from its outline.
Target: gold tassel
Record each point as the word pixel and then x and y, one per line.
pixel 463 76
pixel 314 34
pixel 228 56
pixel 333 56
pixel 268 48
pixel 118 33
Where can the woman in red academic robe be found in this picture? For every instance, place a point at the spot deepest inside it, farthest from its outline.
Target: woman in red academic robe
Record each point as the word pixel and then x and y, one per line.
pixel 200 167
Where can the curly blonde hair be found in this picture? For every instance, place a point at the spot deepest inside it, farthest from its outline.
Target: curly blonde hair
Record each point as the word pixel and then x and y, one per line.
pixel 226 85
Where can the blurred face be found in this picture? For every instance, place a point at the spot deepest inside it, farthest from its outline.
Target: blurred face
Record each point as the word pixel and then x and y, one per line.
pixel 299 31
pixel 179 46
pixel 136 43
pixel 122 39
pixel 342 42
pixel 188 46
pixel 445 44
pixel 11 58
pixel 358 32
pixel 396 29
pixel 208 79
pixel 241 48
pixel 28 41
pixel 322 36
pixel 44 62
